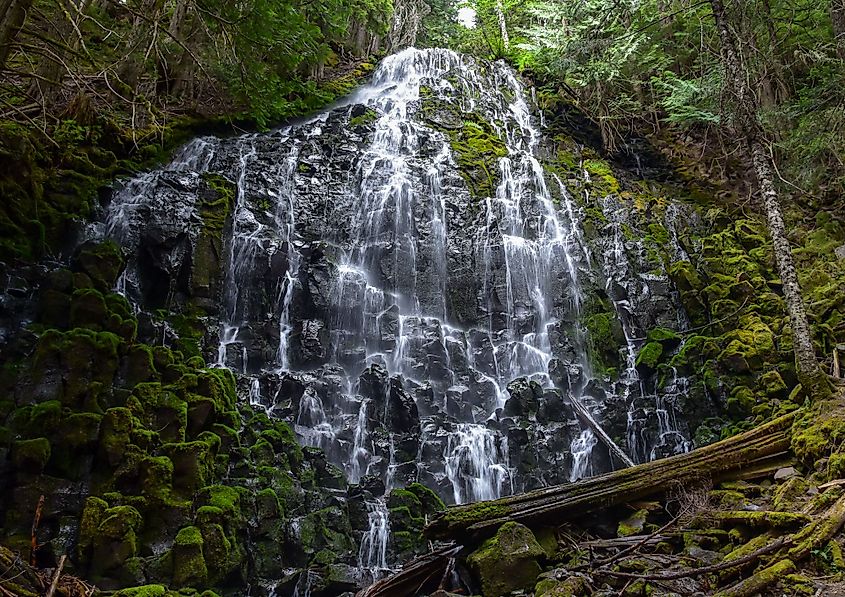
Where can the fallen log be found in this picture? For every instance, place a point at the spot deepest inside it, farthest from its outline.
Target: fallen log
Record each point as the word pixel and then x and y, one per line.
pixel 587 418
pixel 552 506
pixel 758 518
pixel 799 547
pixel 754 585
pixel 413 577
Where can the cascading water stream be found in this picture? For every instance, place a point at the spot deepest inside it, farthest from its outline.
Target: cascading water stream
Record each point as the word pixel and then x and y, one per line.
pixel 411 327
pixel 373 552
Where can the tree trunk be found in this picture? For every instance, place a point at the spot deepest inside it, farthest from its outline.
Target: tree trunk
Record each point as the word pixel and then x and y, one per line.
pixel 503 27
pixel 407 17
pixel 837 17
pixel 584 415
pixel 748 126
pixel 131 66
pixel 760 449
pixel 12 16
pixel 51 72
pixel 178 62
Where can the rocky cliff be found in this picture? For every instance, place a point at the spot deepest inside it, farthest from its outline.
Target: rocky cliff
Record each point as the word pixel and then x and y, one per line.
pixel 271 359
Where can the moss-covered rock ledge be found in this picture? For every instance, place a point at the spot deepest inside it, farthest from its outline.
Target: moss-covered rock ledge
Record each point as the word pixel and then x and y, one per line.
pixel 141 465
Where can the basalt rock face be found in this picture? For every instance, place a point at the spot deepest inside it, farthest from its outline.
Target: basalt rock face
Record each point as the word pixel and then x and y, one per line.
pixel 409 280
pixel 419 286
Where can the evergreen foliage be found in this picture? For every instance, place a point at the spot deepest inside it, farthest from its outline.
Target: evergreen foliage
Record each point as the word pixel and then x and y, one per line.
pixel 654 67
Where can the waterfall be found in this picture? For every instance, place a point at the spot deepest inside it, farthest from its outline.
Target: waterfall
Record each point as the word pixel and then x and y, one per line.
pixel 414 323
pixel 582 450
pixel 476 464
pixel 373 552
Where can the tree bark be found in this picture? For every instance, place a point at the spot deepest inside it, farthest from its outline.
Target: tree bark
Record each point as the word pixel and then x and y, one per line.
pixel 131 66
pixel 747 124
pixel 837 17
pixel 407 19
pixel 178 62
pixel 503 27
pixel 12 16
pixel 51 72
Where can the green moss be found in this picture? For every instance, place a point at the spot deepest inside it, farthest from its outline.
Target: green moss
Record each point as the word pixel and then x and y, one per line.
pixel 788 494
pixel 88 309
pixel 88 358
pixel 31 455
pixel 476 146
pixel 161 409
pixel 468 514
pixel 189 567
pixel 741 401
pixel 649 356
pixel 508 561
pixel 666 337
pixel 429 500
pixel 144 591
pixel 92 514
pixel 766 519
pixel 368 117
pixel 156 474
pixel 633 525
pixel 226 499
pixel 108 536
pixel 218 552
pixel 574 586
pixel 818 431
pixel 192 464
pixel 101 262
pixel 773 384
pixel 603 332
pixel 189 536
pixel 327 528
pixel 601 176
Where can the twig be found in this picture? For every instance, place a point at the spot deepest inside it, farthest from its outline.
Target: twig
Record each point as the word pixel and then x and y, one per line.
pixel 634 547
pixel 32 122
pixel 35 522
pixel 773 546
pixel 57 576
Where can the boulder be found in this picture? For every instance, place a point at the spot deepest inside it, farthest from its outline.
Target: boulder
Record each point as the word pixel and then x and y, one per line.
pixel 507 562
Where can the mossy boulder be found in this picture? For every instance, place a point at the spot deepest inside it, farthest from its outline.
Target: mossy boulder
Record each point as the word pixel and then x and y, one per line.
pixel 408 510
pixel 31 455
pixel 108 537
pixel 573 586
pixel 604 338
pixel 741 401
pixel 507 562
pixel 667 338
pixel 773 384
pixel 102 262
pixel 649 357
pixel 633 525
pixel 76 367
pixel 189 567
